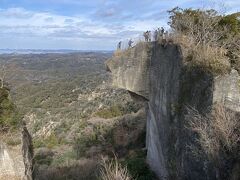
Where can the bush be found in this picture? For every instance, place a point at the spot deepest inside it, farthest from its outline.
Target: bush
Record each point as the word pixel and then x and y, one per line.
pixel 111 112
pixel 49 142
pixel 44 156
pixel 82 144
pixel 113 170
pixel 218 137
pixel 86 170
pixel 9 116
pixel 138 167
pixel 205 38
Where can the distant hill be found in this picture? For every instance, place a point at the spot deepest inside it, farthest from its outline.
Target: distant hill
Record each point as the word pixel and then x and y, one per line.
pixel 46 51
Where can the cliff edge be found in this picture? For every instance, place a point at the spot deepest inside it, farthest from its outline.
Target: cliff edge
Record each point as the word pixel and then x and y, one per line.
pixel 157 73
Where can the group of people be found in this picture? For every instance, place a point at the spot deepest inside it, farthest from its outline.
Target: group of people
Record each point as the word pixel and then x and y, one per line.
pixel 158 34
pixel 130 42
pixel 147 36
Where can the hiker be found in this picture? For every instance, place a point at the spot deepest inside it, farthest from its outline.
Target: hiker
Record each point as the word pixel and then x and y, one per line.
pixel 145 36
pixel 119 45
pixel 162 31
pixel 156 35
pixel 166 35
pixel 130 43
pixel 149 36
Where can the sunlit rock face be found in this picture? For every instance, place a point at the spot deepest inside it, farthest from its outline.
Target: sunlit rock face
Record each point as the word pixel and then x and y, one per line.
pixel 130 70
pixel 156 73
pixel 227 90
pixel 11 163
pixel 152 71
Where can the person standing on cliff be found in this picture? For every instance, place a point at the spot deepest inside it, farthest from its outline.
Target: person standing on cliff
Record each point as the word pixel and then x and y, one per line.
pixel 145 36
pixel 149 34
pixel 119 45
pixel 166 35
pixel 130 42
pixel 156 35
pixel 162 31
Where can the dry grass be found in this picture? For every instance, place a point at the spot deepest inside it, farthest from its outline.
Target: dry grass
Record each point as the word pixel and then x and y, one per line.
pixel 218 131
pixel 84 169
pixel 10 177
pixel 117 53
pixel 202 43
pixel 11 138
pixel 112 170
pixel 209 57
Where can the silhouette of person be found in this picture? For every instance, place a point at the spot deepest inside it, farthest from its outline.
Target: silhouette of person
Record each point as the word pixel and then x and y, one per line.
pixel 119 45
pixel 145 34
pixel 156 35
pixel 130 43
pixel 149 36
pixel 162 31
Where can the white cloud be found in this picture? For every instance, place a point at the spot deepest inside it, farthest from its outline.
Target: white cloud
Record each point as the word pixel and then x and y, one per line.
pixel 20 23
pixel 101 23
pixel 43 23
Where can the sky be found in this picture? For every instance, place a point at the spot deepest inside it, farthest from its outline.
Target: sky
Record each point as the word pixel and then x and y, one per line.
pixel 87 24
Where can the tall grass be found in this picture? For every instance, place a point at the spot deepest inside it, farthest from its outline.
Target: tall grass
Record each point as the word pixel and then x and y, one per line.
pixel 113 170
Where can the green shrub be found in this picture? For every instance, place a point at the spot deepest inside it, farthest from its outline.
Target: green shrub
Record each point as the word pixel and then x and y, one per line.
pixel 82 143
pixel 44 156
pixel 50 142
pixel 13 141
pixel 9 115
pixel 111 112
pixel 138 167
pixel 37 143
pixel 64 158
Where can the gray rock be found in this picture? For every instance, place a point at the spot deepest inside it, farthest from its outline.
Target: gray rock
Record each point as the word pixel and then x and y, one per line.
pixel 227 90
pixel 11 162
pixel 28 154
pixel 156 73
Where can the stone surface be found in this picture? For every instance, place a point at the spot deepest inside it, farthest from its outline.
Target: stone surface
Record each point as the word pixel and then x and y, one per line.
pixel 130 69
pixel 152 71
pixel 227 90
pixel 11 163
pixel 156 72
pixel 28 154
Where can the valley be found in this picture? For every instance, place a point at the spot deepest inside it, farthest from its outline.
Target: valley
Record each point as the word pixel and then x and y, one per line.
pixel 72 111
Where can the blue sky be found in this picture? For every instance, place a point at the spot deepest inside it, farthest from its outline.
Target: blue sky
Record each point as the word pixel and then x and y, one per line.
pixel 87 24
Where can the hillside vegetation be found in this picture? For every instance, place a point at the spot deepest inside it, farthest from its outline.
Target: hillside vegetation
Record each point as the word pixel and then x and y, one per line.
pixel 210 44
pixel 208 39
pixel 80 123
pixel 9 116
pixel 74 114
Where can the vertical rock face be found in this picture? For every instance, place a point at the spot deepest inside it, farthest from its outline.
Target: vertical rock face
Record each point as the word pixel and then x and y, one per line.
pixel 153 71
pixel 16 162
pixel 164 70
pixel 27 151
pixel 11 163
pixel 227 90
pixel 130 70
pixel 156 73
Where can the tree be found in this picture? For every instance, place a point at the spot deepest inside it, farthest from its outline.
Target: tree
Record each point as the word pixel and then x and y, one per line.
pixel 208 38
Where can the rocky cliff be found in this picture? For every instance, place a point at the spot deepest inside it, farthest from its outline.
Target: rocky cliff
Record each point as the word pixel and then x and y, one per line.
pixel 156 72
pixel 28 154
pixel 16 161
pixel 11 162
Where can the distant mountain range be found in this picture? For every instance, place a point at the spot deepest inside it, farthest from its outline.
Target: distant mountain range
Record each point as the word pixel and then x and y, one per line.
pixel 45 51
